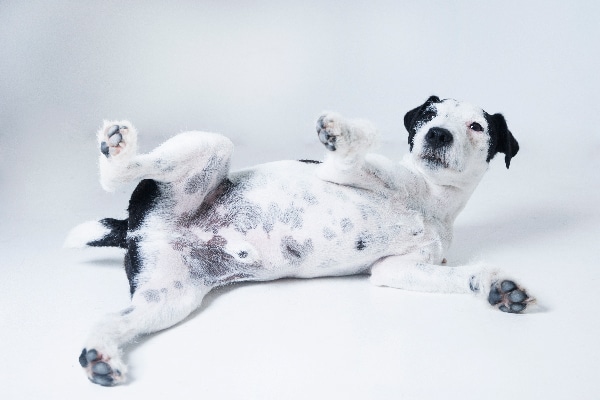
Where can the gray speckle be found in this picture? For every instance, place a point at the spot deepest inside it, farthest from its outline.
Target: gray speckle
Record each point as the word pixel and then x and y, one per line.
pixel 270 217
pixel 151 295
pixel 346 225
pixel 328 233
pixel 126 311
pixel 178 285
pixel 295 252
pixel 367 211
pixel 210 264
pixel 200 181
pixel 473 284
pixel 310 198
pixel 292 216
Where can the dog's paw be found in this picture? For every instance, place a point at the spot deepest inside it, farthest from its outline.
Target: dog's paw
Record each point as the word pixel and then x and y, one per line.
pixel 116 138
pixel 345 136
pixel 101 369
pixel 507 296
pixel 329 129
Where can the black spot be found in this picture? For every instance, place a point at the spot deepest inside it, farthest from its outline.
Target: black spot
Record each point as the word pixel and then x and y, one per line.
pixel 133 262
pixel 364 239
pixel 310 161
pixel 360 245
pixel 243 254
pixel 117 235
pixel 210 264
pixel 295 252
pixel 143 199
pixel 501 139
pixel 418 116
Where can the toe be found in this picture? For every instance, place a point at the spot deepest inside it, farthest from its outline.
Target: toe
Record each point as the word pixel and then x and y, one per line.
pixel 101 368
pixel 507 286
pixel 112 130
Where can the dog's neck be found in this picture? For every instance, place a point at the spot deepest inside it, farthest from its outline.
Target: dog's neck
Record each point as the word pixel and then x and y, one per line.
pixel 443 201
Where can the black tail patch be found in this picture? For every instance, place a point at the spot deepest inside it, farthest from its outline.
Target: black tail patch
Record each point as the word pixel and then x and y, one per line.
pixel 117 235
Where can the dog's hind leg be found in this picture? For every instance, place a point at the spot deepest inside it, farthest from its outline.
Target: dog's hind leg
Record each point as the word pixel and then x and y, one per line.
pixel 161 301
pixel 406 273
pixel 189 165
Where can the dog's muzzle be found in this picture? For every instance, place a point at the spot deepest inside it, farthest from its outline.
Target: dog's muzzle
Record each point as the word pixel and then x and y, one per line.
pixel 437 142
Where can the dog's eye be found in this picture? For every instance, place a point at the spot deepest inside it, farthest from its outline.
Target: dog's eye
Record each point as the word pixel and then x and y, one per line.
pixel 476 127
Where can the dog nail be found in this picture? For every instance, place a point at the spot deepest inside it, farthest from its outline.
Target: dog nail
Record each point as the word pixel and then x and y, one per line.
pixel 104 148
pixel 83 359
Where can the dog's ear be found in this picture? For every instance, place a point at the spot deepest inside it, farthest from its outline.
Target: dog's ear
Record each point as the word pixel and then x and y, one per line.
pixel 501 139
pixel 415 115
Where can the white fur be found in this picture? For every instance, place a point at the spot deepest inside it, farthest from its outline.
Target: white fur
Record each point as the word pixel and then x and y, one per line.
pixel 84 233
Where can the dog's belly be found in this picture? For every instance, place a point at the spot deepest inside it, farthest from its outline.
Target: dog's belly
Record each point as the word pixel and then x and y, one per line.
pixel 280 220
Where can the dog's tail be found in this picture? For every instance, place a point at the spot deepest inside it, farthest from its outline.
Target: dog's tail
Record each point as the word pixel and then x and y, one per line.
pixel 108 232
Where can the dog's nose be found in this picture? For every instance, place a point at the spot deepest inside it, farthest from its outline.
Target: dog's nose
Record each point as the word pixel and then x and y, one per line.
pixel 439 137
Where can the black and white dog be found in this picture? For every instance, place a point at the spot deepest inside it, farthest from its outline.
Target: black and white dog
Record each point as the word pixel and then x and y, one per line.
pixel 193 225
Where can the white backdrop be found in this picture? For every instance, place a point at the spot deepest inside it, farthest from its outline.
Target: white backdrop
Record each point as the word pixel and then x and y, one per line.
pixel 261 72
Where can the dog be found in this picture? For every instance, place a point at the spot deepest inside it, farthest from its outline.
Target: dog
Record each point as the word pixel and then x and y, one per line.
pixel 193 225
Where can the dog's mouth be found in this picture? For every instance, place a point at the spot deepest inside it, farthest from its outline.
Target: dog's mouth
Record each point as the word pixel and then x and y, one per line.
pixel 434 159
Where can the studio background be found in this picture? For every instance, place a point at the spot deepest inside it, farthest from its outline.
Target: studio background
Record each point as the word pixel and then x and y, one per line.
pixel 261 72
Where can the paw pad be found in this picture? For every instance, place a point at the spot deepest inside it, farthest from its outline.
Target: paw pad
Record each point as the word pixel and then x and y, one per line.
pixel 508 297
pixel 113 140
pixel 325 132
pixel 99 371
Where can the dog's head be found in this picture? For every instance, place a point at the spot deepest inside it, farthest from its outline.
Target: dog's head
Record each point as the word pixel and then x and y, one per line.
pixel 454 141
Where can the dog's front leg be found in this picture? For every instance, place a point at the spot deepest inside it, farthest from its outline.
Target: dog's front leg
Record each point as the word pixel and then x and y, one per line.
pixel 403 272
pixel 347 143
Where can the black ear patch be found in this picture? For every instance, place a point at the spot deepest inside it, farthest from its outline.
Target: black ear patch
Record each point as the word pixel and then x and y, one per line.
pixel 418 116
pixel 501 139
